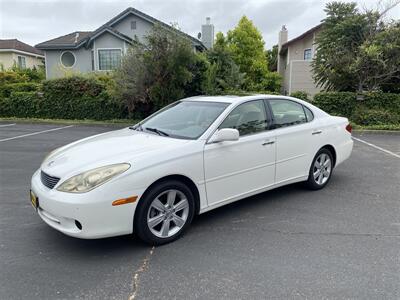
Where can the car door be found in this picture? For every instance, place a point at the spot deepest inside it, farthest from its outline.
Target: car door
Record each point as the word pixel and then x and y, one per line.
pixel 235 169
pixel 295 139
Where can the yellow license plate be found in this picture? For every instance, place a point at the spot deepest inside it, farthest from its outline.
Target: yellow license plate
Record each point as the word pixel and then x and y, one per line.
pixel 34 200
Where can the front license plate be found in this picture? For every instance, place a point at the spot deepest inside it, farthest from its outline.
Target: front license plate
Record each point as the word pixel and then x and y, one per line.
pixel 34 201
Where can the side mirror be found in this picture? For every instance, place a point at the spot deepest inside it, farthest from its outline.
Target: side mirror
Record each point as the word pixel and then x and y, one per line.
pixel 225 134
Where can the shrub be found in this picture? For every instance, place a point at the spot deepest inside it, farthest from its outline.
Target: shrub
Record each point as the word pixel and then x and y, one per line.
pixel 12 77
pixel 7 89
pixel 380 100
pixel 364 116
pixel 336 103
pixel 36 74
pixel 300 95
pixel 375 109
pixel 19 104
pixel 65 98
pixel 78 98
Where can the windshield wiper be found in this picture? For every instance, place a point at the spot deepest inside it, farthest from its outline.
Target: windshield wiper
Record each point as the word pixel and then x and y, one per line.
pixel 158 131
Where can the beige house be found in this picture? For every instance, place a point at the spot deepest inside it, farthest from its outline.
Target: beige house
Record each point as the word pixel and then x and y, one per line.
pixel 14 52
pixel 294 61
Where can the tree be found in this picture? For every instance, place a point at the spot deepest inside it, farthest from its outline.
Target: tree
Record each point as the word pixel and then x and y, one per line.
pixel 247 47
pixel 223 74
pixel 355 50
pixel 155 73
pixel 378 63
pixel 272 58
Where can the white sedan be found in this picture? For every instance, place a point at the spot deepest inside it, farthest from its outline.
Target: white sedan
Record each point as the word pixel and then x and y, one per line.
pixel 192 156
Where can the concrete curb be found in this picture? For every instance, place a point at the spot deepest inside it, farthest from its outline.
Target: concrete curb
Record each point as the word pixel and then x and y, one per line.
pixel 371 131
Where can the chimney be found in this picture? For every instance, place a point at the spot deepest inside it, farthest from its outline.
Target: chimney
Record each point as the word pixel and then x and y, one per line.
pixel 76 37
pixel 207 33
pixel 283 37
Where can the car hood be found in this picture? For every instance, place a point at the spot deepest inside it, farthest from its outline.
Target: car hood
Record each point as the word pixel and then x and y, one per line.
pixel 113 147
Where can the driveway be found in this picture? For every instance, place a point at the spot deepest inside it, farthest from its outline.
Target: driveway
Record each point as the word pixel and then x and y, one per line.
pixel 340 242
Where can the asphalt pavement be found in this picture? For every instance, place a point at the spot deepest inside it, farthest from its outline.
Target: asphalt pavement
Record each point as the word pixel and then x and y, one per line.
pixel 289 243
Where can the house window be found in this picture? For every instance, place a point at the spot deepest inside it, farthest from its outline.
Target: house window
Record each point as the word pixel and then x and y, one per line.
pixel 67 59
pixel 307 54
pixel 92 59
pixel 21 62
pixel 133 25
pixel 109 59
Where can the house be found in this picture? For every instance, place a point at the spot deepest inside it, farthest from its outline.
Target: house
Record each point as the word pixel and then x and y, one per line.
pixel 16 53
pixel 101 49
pixel 294 61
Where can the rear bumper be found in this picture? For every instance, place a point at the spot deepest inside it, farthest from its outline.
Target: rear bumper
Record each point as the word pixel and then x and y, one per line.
pixel 89 215
pixel 343 152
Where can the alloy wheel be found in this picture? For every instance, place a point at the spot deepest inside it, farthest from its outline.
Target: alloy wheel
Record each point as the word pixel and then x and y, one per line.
pixel 322 169
pixel 168 213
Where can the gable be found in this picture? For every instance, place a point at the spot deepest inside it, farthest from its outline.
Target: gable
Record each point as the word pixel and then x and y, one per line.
pixel 142 27
pixel 108 40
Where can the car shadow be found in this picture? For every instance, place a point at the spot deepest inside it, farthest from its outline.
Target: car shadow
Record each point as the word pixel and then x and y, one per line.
pixel 254 203
pixel 130 244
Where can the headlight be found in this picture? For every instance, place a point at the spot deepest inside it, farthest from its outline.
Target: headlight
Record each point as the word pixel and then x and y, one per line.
pixel 89 180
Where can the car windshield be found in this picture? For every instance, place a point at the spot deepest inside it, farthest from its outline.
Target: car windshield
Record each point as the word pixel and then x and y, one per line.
pixel 183 119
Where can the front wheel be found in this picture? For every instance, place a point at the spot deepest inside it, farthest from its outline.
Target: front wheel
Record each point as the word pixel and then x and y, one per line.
pixel 321 170
pixel 164 212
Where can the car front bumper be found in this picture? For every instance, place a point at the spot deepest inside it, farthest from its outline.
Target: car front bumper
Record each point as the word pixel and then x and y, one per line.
pixel 87 215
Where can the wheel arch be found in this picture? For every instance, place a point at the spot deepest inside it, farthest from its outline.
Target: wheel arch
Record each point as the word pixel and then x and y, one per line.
pixel 332 151
pixel 184 179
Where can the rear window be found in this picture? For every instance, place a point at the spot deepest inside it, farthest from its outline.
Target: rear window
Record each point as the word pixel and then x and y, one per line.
pixel 309 114
pixel 287 113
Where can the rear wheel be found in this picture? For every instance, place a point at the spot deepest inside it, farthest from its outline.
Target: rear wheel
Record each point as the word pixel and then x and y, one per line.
pixel 321 170
pixel 164 212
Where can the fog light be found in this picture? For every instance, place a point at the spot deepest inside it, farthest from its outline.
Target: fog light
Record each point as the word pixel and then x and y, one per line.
pixel 78 224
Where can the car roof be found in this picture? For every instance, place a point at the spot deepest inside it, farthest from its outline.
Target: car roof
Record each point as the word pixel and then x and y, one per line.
pixel 236 99
pixel 241 99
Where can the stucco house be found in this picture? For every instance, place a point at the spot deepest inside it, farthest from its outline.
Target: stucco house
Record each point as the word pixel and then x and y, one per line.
pixel 294 61
pixel 14 52
pixel 102 49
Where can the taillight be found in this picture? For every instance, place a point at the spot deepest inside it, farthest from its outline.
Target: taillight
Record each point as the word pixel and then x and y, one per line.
pixel 349 128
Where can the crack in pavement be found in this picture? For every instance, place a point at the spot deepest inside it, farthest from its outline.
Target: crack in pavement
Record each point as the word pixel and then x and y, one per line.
pixel 143 267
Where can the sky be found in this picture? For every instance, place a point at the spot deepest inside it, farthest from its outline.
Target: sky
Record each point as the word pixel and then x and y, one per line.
pixel 36 21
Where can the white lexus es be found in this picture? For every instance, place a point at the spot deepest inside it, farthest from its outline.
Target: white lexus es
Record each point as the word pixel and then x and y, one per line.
pixel 190 157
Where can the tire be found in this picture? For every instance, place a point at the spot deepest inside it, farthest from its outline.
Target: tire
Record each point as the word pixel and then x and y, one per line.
pixel 318 180
pixel 164 212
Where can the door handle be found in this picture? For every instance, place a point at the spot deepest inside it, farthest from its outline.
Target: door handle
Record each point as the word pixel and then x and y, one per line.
pixel 316 132
pixel 268 143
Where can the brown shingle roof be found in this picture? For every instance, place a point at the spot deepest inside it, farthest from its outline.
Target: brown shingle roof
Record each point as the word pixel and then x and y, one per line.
pixel 71 39
pixel 18 45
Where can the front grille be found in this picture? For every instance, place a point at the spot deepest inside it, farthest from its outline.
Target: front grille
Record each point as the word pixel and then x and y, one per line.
pixel 48 180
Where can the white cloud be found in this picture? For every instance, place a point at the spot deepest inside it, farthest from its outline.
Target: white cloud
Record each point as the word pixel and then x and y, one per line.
pixel 40 20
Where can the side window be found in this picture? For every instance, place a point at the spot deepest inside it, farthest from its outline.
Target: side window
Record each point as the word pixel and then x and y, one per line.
pixel 309 114
pixel 248 118
pixel 287 113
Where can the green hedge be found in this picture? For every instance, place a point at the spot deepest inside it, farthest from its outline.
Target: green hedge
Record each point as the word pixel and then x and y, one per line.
pixel 300 95
pixel 19 104
pixel 7 89
pixel 65 98
pixel 375 109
